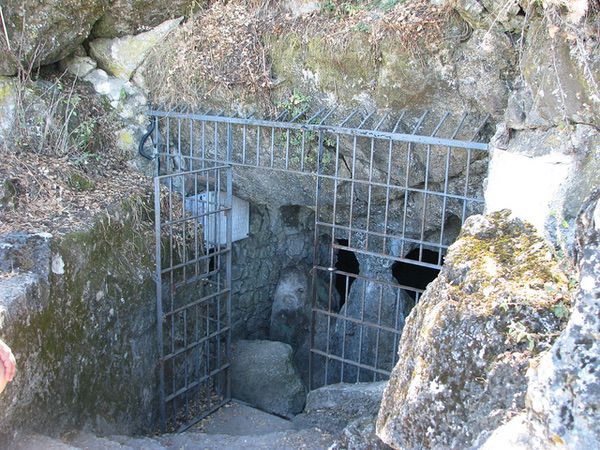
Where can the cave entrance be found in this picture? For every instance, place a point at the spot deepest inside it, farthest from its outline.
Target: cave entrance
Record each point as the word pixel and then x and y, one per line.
pixel 380 184
pixel 414 275
pixel 347 267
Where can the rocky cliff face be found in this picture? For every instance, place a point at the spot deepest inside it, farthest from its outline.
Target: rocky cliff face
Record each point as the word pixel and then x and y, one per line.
pixel 562 395
pixel 499 300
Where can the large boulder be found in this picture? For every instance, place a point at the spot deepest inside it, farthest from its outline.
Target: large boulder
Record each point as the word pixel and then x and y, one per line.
pixel 499 300
pixel 134 16
pixel 44 32
pixel 263 375
pixel 122 56
pixel 563 395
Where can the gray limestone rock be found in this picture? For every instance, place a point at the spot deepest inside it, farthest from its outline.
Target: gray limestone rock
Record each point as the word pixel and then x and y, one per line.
pixel 122 56
pixel 333 407
pixel 43 32
pixel 484 69
pixel 484 14
pixel 564 388
pixel 135 16
pixel 360 435
pixel 466 346
pixel 263 375
pixel 564 89
pixel 80 66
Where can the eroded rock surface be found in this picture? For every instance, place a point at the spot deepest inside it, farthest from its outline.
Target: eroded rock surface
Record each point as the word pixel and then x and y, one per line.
pixel 122 56
pixel 290 316
pixel 43 32
pixel 500 299
pixel 335 406
pixel 134 16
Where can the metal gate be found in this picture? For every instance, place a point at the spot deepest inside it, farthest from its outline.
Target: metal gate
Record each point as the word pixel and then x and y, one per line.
pixel 385 186
pixel 380 216
pixel 193 293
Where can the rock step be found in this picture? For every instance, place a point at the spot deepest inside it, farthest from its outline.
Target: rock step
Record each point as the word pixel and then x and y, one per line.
pixel 308 439
pixel 38 442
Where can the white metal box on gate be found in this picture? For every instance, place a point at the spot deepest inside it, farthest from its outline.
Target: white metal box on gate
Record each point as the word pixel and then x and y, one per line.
pixel 209 207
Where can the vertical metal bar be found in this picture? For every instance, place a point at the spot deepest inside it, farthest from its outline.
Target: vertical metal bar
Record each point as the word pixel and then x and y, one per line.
pixel 369 195
pixel 272 146
pixel 287 149
pixel 352 177
pixel 157 144
pixel 314 273
pixel 203 145
pixel 228 273
pixel 216 143
pixel 345 329
pixel 379 310
pixel 466 194
pixel 168 149
pixel 191 145
pixel 244 132
pixel 362 325
pixel 388 183
pixel 425 194
pixel 396 327
pixel 159 307
pixel 258 146
pixel 302 152
pixel 446 181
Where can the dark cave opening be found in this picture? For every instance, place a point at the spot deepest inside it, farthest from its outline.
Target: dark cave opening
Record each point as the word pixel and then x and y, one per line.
pixel 414 275
pixel 346 262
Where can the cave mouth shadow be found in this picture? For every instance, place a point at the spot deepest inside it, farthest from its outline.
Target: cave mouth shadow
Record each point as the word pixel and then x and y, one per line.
pixel 414 275
pixel 346 261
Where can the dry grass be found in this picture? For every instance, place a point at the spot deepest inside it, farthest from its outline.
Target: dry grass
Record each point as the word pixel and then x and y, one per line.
pixel 56 196
pixel 221 47
pixel 222 54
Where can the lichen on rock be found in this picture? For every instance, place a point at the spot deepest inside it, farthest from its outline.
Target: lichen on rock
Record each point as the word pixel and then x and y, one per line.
pixel 501 298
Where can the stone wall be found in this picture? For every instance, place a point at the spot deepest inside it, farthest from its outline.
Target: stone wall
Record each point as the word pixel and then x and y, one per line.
pixel 279 238
pixel 78 311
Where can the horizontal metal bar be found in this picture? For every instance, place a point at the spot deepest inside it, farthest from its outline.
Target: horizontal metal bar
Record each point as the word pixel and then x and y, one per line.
pixel 193 218
pixel 196 278
pixel 189 172
pixel 361 277
pixel 349 361
pixel 402 188
pixel 188 347
pixel 196 383
pixel 387 255
pixel 201 416
pixel 356 321
pixel 194 303
pixel 195 260
pixel 401 137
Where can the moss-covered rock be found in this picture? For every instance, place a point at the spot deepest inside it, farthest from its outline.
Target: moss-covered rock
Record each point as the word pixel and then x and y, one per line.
pixel 500 299
pixel 82 326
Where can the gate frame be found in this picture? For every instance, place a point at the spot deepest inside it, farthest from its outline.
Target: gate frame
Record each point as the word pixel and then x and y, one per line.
pixel 223 287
